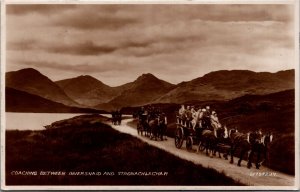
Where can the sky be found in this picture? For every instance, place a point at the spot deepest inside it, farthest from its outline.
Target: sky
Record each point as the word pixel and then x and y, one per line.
pixel 116 43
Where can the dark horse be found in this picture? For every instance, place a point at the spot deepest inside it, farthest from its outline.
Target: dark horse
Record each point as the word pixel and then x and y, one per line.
pixel 157 127
pixel 143 126
pixel 255 142
pixel 238 140
pixel 222 138
pixel 209 140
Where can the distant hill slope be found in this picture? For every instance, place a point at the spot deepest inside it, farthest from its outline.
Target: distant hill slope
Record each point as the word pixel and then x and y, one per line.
pixel 87 90
pixel 226 85
pixel 32 81
pixel 143 90
pixel 148 89
pixel 20 101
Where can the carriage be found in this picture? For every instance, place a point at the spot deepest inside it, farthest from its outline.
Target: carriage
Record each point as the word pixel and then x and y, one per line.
pixel 202 135
pixel 185 132
pixel 116 118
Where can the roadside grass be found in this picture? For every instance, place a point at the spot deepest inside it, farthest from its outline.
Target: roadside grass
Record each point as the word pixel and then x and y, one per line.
pixel 85 144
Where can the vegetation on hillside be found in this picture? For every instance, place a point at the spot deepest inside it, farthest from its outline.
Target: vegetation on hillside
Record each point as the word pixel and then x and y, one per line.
pixel 85 144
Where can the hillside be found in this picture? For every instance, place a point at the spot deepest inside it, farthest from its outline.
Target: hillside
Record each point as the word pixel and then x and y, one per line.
pixel 148 89
pixel 225 85
pixel 87 90
pixel 33 82
pixel 145 89
pixel 20 101
pixel 84 144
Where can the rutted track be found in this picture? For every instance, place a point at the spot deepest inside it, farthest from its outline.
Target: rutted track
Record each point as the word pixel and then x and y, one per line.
pixel 250 177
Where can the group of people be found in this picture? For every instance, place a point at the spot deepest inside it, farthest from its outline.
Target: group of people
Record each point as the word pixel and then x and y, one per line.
pixel 203 117
pixel 116 117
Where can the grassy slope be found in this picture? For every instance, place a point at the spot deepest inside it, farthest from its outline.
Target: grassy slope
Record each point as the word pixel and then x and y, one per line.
pixel 85 144
pixel 274 112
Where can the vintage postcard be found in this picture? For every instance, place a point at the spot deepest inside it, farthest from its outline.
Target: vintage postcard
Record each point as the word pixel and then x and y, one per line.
pixel 183 95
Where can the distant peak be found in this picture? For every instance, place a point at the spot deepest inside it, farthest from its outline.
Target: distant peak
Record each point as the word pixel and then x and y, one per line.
pixel 86 77
pixel 146 76
pixel 28 70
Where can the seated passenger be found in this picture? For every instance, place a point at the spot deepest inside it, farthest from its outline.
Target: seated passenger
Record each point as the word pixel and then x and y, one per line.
pixel 215 120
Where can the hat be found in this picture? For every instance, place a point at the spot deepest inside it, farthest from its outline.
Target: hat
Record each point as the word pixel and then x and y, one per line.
pixel 207 107
pixel 203 110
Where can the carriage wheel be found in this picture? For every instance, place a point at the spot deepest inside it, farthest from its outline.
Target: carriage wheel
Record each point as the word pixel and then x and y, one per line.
pixel 189 143
pixel 178 138
pixel 201 146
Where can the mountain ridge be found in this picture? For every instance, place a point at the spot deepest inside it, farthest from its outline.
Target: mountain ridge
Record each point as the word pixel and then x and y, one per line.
pixel 32 81
pixel 87 90
pixel 148 89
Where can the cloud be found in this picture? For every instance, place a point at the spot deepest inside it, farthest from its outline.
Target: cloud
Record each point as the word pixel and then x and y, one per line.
pixel 94 17
pixel 43 9
pixel 27 44
pixel 87 48
pixel 174 42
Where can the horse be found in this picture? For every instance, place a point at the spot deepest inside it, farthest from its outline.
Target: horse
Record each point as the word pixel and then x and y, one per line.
pixel 238 140
pixel 153 128
pixel 260 146
pixel 221 135
pixel 142 125
pixel 157 127
pixel 209 140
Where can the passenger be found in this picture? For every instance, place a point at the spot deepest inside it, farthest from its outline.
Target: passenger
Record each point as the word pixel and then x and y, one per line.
pixel 142 115
pixel 215 120
pixel 205 121
pixel 182 115
pixel 207 113
pixel 141 112
pixel 198 118
pixel 189 117
pixel 193 111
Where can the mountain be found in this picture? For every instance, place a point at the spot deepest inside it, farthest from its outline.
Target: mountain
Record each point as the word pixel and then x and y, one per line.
pixel 145 89
pixel 33 82
pixel 225 85
pixel 87 90
pixel 20 101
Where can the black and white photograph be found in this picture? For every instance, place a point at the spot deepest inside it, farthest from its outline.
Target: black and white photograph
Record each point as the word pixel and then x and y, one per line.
pixel 150 95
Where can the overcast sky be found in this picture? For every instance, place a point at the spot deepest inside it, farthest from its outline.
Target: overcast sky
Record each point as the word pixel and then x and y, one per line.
pixel 117 43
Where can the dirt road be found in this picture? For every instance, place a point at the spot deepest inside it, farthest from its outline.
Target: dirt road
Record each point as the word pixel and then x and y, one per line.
pixel 250 177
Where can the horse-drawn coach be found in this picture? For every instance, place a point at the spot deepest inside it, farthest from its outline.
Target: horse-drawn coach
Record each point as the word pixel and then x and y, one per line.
pixel 203 129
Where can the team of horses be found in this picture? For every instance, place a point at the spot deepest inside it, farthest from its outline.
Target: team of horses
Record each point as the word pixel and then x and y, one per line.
pixel 154 128
pixel 252 143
